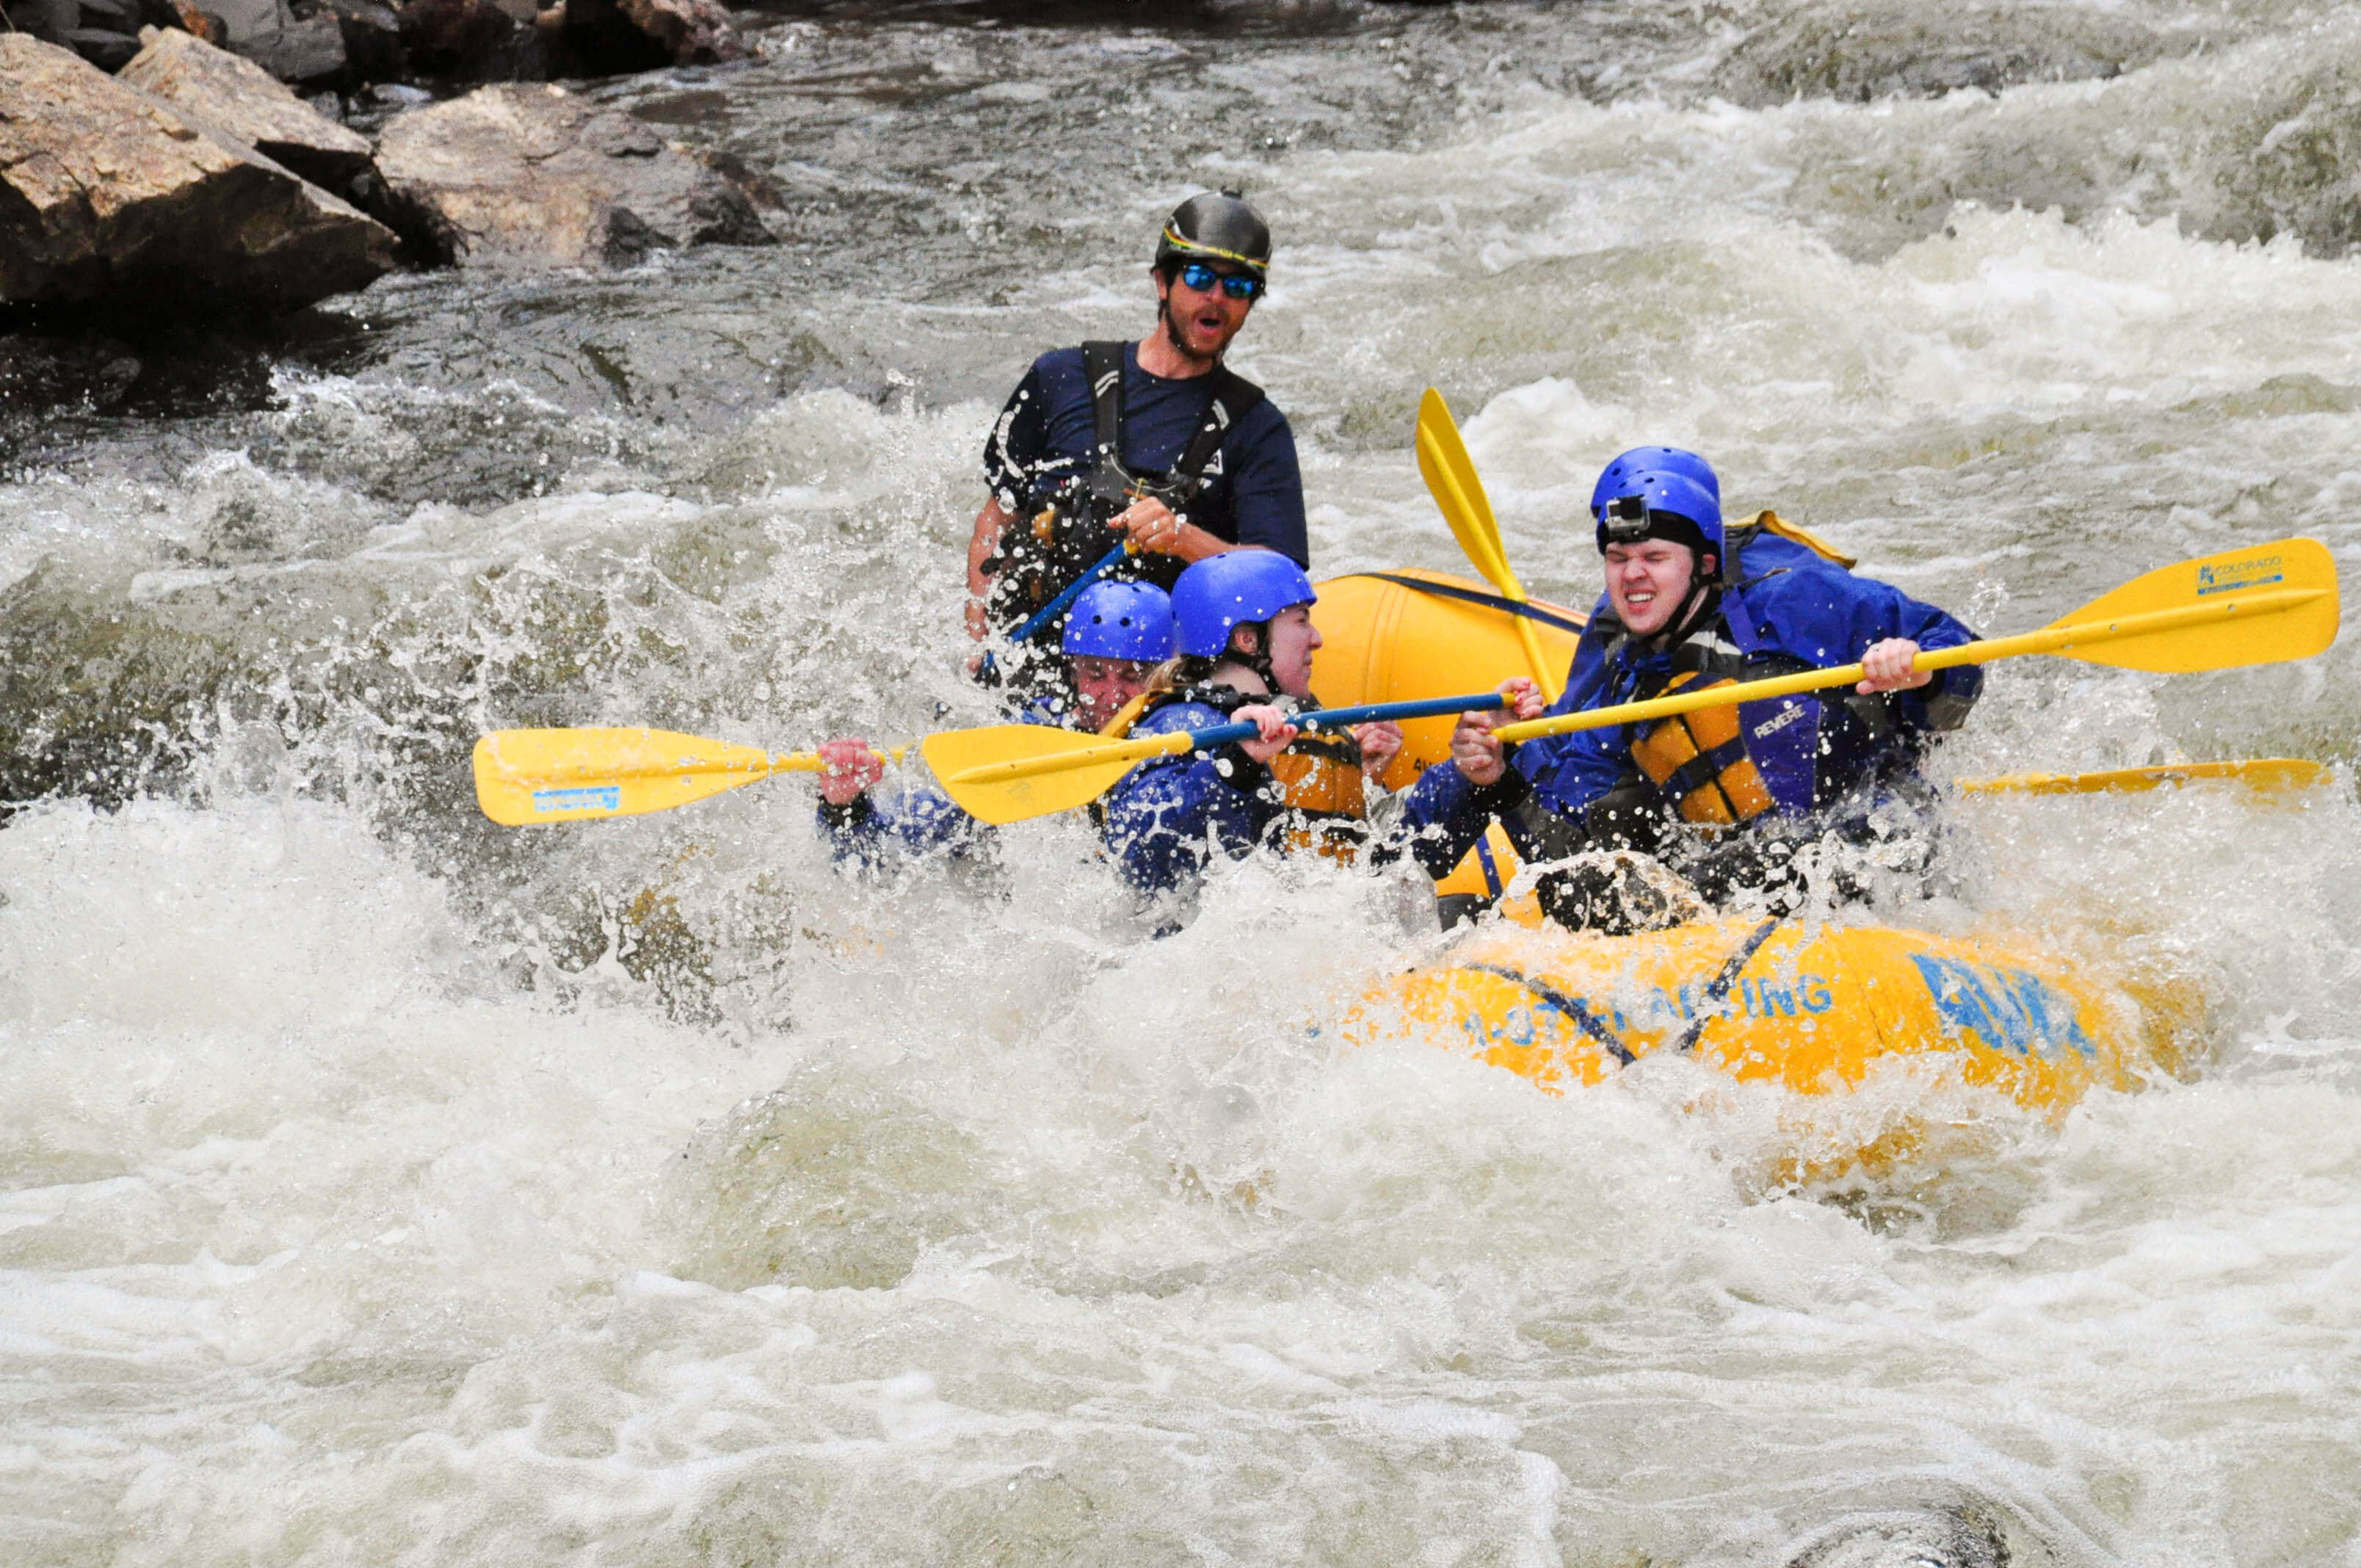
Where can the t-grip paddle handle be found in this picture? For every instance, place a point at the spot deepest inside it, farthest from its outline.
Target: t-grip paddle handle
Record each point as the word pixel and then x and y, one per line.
pixel 1330 718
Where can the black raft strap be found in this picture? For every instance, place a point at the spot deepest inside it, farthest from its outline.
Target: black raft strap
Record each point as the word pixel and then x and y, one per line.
pixel 1475 596
pixel 1704 772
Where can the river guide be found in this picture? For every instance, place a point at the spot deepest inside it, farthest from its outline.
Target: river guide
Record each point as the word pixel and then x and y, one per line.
pixel 1155 449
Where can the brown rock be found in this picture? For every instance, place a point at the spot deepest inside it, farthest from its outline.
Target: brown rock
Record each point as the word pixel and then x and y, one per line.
pixel 470 40
pixel 201 24
pixel 108 194
pixel 535 174
pixel 241 100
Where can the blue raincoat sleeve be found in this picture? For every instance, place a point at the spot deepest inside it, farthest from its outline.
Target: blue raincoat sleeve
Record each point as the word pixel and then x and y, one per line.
pixel 1165 817
pixel 1826 616
pixel 1445 814
pixel 882 825
pixel 912 817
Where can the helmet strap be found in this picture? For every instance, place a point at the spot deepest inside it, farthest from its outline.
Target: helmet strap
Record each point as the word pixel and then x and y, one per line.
pixel 1259 660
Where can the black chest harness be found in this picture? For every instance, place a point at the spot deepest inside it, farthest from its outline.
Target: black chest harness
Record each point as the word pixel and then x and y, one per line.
pixel 1038 559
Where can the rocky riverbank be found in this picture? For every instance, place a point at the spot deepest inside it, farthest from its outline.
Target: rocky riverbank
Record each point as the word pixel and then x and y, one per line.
pixel 256 159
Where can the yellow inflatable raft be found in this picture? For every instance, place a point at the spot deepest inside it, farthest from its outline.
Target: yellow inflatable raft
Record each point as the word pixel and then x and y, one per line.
pixel 1817 1008
pixel 1402 636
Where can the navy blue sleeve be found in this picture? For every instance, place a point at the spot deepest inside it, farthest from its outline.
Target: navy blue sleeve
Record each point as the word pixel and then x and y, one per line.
pixel 1445 814
pixel 1164 817
pixel 1267 485
pixel 879 827
pixel 1568 771
pixel 1018 442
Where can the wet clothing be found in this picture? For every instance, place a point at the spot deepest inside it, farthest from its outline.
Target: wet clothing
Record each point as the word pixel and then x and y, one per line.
pixel 1161 819
pixel 911 816
pixel 1046 444
pixel 1752 791
pixel 1166 818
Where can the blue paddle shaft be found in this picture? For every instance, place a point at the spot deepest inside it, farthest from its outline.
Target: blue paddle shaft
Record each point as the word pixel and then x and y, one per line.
pixel 1057 607
pixel 1345 718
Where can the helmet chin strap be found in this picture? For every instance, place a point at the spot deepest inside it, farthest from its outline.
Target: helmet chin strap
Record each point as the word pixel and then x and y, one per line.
pixel 1259 660
pixel 1703 590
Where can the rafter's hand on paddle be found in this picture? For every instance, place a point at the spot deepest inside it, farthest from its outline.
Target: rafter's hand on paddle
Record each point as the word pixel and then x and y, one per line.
pixel 1472 748
pixel 1887 667
pixel 847 767
pixel 1153 529
pixel 1380 744
pixel 1276 731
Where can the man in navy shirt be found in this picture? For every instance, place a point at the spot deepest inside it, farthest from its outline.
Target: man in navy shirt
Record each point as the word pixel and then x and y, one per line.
pixel 1154 446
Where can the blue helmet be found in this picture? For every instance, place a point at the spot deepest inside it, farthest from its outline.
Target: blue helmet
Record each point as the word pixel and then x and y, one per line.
pixel 1121 620
pixel 1238 587
pixel 1651 504
pixel 1652 460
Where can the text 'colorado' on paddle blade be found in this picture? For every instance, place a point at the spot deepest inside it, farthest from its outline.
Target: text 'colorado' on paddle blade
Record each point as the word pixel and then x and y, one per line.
pixel 2266 579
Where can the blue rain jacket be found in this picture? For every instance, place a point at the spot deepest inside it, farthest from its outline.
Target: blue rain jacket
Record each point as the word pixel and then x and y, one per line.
pixel 1165 818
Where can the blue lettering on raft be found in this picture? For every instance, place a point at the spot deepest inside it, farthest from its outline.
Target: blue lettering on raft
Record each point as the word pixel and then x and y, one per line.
pixel 2007 1009
pixel 597 797
pixel 1520 1025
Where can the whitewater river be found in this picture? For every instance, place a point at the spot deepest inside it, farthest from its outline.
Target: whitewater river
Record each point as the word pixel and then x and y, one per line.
pixel 386 1188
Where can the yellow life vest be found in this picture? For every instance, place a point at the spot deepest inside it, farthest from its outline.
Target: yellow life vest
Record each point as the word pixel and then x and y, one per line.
pixel 1320 780
pixel 1699 760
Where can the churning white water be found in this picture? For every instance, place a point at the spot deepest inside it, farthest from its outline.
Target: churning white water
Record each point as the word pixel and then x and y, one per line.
pixel 382 1187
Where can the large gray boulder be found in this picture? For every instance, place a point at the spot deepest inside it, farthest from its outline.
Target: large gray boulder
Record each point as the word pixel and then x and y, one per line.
pixel 269 33
pixel 537 175
pixel 236 97
pixel 109 194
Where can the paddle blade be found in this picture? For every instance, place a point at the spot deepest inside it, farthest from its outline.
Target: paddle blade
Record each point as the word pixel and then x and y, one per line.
pixel 1001 801
pixel 527 776
pixel 2264 775
pixel 2275 632
pixel 1450 476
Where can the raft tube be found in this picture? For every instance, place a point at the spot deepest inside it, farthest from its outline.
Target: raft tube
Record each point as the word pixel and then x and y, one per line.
pixel 1401 636
pixel 1817 1008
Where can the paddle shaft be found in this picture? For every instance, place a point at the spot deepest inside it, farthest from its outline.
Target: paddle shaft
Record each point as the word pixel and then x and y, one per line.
pixel 1072 591
pixel 1172 743
pixel 2049 639
pixel 753 768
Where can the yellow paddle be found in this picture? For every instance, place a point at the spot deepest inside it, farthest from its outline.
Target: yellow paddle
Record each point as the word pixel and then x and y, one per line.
pixel 2255 606
pixel 524 776
pixel 1006 772
pixel 1450 476
pixel 2265 774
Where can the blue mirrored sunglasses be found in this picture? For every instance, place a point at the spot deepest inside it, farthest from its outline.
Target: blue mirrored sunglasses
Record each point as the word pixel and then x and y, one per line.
pixel 1200 276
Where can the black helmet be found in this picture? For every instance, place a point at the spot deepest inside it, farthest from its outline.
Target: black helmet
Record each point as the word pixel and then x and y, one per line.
pixel 1216 227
